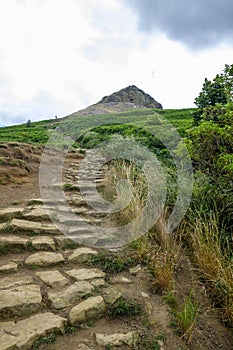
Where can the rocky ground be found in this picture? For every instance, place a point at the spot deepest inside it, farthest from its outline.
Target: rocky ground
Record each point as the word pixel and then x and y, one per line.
pixel 52 297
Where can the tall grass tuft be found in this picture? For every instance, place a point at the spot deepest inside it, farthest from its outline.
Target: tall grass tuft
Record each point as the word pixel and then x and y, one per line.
pixel 214 262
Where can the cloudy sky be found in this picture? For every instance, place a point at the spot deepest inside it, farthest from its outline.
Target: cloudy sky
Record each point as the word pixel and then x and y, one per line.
pixel 59 56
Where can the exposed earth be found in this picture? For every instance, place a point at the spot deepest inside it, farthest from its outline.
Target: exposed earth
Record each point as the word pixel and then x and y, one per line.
pixel 49 287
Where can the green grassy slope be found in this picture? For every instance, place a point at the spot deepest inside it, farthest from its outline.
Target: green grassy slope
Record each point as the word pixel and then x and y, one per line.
pixel 39 132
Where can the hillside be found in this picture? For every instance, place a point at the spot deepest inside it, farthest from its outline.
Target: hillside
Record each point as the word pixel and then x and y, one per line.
pixel 64 281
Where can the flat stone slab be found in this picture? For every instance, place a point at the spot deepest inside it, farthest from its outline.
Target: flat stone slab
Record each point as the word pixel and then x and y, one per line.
pixel 64 242
pixel 117 339
pixel 70 295
pixel 120 280
pixel 85 274
pixel 22 335
pixel 8 268
pixel 91 308
pixel 9 241
pixel 19 301
pixel 52 278
pixel 43 243
pixel 38 213
pixel 82 254
pixel 15 281
pixel 33 227
pixel 111 295
pixel 10 213
pixel 44 259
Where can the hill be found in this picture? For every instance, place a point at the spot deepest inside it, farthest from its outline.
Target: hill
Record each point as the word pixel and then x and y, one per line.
pixel 123 100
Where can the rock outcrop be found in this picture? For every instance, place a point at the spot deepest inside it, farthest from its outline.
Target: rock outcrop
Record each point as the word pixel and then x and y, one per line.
pixel 132 94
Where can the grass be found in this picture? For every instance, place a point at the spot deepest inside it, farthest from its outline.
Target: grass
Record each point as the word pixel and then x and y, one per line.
pixel 214 262
pixel 186 317
pixel 165 256
pixel 111 263
pixel 50 339
pixel 124 307
pixel 39 132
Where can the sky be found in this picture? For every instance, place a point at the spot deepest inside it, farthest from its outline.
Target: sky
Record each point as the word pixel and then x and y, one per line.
pixel 59 56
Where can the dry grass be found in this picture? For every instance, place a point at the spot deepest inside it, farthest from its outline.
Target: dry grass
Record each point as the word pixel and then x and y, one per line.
pixel 165 256
pixel 213 262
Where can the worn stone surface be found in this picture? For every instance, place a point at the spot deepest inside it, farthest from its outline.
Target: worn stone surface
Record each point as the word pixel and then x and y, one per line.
pixel 13 241
pixel 83 347
pixel 18 301
pixel 118 339
pixel 70 295
pixel 21 335
pixel 135 270
pixel 9 213
pixel 43 243
pixel 92 307
pixel 111 295
pixel 64 242
pixel 120 280
pixel 8 268
pixel 82 254
pixel 44 259
pixel 14 281
pixel 52 278
pixel 38 213
pixel 34 227
pixel 85 274
pixel 98 282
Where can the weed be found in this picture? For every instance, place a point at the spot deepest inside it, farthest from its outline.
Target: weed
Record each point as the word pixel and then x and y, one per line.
pixel 186 316
pixel 15 202
pixel 124 307
pixel 44 341
pixel 110 263
pixel 70 187
pixel 70 329
pixel 4 248
pixel 170 299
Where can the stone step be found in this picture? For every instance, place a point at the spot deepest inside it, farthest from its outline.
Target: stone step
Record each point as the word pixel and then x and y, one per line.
pixel 52 278
pixel 12 243
pixel 64 242
pixel 22 334
pixel 10 213
pixel 82 255
pixel 91 308
pixel 70 295
pixel 118 339
pixel 37 214
pixel 33 227
pixel 9 243
pixel 10 267
pixel 44 259
pixel 12 281
pixel 84 274
pixel 20 301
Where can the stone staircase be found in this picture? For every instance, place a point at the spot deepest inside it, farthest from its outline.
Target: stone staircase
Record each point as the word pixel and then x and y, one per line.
pixel 45 282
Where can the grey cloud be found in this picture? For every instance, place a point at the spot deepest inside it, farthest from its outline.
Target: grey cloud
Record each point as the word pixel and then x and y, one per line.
pixel 196 24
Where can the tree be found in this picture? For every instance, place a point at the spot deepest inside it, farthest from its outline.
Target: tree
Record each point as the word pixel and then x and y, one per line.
pixel 220 90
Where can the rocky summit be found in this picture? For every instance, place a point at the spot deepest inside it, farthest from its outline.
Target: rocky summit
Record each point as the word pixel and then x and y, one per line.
pixel 123 100
pixel 132 94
